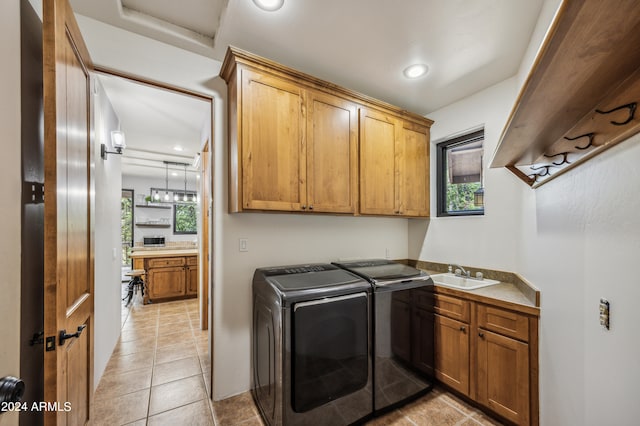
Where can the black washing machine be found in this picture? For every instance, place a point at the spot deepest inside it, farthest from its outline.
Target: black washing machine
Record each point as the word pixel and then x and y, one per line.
pixel 403 336
pixel 311 345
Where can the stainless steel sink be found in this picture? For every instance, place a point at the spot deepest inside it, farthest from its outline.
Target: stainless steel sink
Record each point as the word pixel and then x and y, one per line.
pixel 464 283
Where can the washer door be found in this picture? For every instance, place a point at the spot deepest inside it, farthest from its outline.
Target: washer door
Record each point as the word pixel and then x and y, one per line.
pixel 330 349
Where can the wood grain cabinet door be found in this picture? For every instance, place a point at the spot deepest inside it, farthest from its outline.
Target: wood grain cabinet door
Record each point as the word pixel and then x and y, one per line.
pixel 378 183
pixel 273 145
pixel 332 154
pixel 192 279
pixel 452 353
pixel 503 376
pixel 166 282
pixel 413 173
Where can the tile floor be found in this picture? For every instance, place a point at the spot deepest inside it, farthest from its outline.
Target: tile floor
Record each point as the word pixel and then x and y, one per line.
pixel 157 375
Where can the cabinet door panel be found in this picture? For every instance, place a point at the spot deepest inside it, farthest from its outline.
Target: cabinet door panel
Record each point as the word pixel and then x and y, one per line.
pixel 192 279
pixel 503 376
pixel 378 190
pixel 422 343
pixel 414 170
pixel 452 353
pixel 272 143
pixel 332 154
pixel 166 282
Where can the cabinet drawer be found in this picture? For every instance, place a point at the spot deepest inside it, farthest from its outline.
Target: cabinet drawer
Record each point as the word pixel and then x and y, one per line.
pixel 192 260
pixel 504 322
pixel 451 307
pixel 166 261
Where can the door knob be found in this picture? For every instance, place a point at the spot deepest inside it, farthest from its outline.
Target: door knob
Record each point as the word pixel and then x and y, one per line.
pixel 64 336
pixel 11 389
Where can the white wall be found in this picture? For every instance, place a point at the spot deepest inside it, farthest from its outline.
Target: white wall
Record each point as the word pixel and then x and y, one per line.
pixel 581 240
pixel 273 238
pixel 484 241
pixel 141 185
pixel 10 176
pixel 107 287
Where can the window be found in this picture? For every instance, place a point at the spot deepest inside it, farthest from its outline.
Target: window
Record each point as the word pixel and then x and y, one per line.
pixel 459 178
pixel 184 219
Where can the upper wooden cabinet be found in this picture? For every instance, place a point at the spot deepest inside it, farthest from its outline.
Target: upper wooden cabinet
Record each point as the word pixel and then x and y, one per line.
pixel 394 165
pixel 581 95
pixel 295 143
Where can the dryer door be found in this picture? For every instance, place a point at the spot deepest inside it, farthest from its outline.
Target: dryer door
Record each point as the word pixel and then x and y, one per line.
pixel 330 349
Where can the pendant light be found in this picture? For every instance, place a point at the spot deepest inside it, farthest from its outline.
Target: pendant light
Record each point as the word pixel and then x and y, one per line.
pixel 184 196
pixel 166 182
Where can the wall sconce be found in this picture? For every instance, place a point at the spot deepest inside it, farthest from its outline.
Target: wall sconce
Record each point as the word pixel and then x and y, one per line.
pixel 117 141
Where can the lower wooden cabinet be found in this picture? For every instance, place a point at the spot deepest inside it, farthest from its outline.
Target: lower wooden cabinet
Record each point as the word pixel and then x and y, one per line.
pixel 171 277
pixel 488 354
pixel 166 282
pixel 503 376
pixel 452 353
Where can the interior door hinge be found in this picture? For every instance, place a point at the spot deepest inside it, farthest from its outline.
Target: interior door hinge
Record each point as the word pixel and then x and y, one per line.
pixel 33 192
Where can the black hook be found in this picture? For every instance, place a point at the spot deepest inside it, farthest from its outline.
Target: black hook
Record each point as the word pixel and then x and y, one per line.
pixel 632 111
pixel 590 135
pixel 564 158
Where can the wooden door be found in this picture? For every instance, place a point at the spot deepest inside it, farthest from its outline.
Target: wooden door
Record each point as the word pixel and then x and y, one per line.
pixel 332 154
pixel 414 170
pixel 422 341
pixel 273 145
pixel 69 217
pixel 166 282
pixel 452 353
pixel 378 135
pixel 503 376
pixel 207 207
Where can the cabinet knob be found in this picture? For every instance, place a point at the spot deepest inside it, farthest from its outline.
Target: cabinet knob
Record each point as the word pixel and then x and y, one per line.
pixel 481 334
pixel 304 207
pixel 311 207
pixel 463 328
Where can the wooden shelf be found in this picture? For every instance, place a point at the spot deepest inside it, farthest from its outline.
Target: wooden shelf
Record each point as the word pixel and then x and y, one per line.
pixel 581 95
pixel 153 225
pixel 153 206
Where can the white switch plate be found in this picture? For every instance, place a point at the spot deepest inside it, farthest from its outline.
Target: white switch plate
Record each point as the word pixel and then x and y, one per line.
pixel 243 244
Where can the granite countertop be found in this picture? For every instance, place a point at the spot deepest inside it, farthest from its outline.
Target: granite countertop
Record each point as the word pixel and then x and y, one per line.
pixel 513 291
pixel 164 252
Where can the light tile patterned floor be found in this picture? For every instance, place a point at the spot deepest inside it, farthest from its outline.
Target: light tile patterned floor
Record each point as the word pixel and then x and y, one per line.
pixel 159 371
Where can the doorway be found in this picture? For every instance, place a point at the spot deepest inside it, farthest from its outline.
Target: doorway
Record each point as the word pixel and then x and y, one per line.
pixel 153 178
pixel 126 229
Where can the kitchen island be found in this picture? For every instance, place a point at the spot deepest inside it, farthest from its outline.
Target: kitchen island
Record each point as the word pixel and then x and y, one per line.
pixel 171 273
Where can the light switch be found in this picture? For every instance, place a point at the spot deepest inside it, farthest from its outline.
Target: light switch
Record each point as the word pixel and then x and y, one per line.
pixel 604 313
pixel 243 244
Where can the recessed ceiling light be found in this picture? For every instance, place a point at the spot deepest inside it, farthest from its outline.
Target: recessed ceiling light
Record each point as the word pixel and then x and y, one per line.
pixel 174 173
pixel 269 5
pixel 415 70
pixel 177 148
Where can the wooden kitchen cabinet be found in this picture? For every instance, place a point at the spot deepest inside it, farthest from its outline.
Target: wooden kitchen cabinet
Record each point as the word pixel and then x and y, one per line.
pixel 452 353
pixel 170 278
pixel 295 148
pixel 297 144
pixel 488 354
pixel 394 168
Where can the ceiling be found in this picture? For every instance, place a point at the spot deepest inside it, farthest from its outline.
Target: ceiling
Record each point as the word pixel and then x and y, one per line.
pixel 155 122
pixel 362 45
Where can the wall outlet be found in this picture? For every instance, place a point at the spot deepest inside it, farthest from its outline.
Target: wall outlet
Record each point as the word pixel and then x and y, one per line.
pixel 243 244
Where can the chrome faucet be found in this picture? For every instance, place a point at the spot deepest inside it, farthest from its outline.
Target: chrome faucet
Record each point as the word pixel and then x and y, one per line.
pixel 463 272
